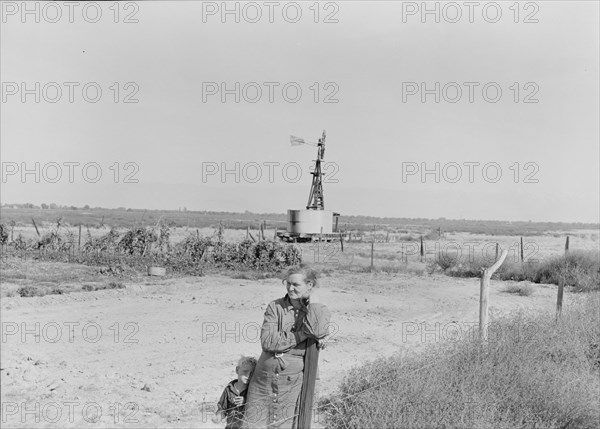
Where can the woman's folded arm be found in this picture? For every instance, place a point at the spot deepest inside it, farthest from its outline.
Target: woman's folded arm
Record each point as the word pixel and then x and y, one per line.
pixel 316 321
pixel 274 340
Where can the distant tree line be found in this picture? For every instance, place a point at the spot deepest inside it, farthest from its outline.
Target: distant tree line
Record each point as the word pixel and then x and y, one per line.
pixel 44 206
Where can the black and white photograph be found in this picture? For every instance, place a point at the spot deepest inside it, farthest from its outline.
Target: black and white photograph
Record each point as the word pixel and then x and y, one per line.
pixel 311 214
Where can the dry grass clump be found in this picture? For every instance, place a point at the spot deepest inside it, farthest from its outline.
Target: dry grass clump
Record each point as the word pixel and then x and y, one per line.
pixel 252 275
pixel 520 289
pixel 416 269
pixel 533 373
pixel 95 287
pixel 41 290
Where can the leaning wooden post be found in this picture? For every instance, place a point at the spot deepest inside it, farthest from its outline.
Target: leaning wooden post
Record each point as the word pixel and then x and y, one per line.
pixel 342 242
pixel 497 251
pixel 567 245
pixel 484 294
pixel 372 250
pixel 311 361
pixel 36 228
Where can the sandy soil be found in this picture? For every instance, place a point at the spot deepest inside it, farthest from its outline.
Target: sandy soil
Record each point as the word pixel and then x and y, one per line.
pixel 167 347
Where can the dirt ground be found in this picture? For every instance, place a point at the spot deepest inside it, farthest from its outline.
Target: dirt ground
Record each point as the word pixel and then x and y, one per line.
pixel 159 352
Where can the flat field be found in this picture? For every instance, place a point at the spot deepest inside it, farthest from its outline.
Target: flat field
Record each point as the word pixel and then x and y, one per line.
pixel 157 352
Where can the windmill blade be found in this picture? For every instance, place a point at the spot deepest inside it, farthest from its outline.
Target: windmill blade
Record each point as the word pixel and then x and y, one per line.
pixel 297 141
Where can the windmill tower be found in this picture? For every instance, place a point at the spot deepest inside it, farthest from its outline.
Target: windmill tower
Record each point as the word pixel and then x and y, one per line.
pixel 314 223
pixel 316 199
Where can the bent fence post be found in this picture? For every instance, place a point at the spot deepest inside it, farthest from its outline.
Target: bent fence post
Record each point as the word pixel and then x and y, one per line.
pixel 484 294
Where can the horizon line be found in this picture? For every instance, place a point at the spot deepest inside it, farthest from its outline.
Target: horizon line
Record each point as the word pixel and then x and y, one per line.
pixel 4 205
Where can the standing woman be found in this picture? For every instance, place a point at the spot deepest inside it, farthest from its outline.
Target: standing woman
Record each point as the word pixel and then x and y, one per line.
pixel 274 390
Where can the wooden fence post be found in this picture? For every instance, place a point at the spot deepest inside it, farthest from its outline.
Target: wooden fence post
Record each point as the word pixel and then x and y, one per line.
pixel 311 361
pixel 484 295
pixel 422 250
pixel 522 257
pixel 342 242
pixel 567 245
pixel 372 250
pixel 559 296
pixel 247 232
pixel 79 240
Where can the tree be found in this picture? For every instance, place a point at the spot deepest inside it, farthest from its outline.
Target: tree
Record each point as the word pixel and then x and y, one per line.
pixel 44 206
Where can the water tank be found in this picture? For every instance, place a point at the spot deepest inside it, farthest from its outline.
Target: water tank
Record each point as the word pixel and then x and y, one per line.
pixel 310 221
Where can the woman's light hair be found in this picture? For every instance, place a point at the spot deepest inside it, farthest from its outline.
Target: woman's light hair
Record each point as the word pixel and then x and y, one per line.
pixel 310 274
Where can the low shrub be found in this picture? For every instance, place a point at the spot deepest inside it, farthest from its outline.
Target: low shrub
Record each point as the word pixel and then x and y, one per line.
pixel 579 269
pixel 446 260
pixel 520 289
pixel 29 291
pixel 95 287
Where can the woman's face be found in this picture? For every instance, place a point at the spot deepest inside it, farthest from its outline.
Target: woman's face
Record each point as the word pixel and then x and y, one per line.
pixel 298 287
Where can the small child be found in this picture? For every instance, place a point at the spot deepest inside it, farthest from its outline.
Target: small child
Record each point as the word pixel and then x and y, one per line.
pixel 233 400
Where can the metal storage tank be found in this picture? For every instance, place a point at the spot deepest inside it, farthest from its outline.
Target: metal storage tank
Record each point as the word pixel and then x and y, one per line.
pixel 310 221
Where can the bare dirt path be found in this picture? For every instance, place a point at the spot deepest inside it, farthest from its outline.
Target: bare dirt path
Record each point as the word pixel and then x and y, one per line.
pixel 159 354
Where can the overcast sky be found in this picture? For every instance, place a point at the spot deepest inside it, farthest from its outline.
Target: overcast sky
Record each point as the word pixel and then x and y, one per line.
pixel 532 150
